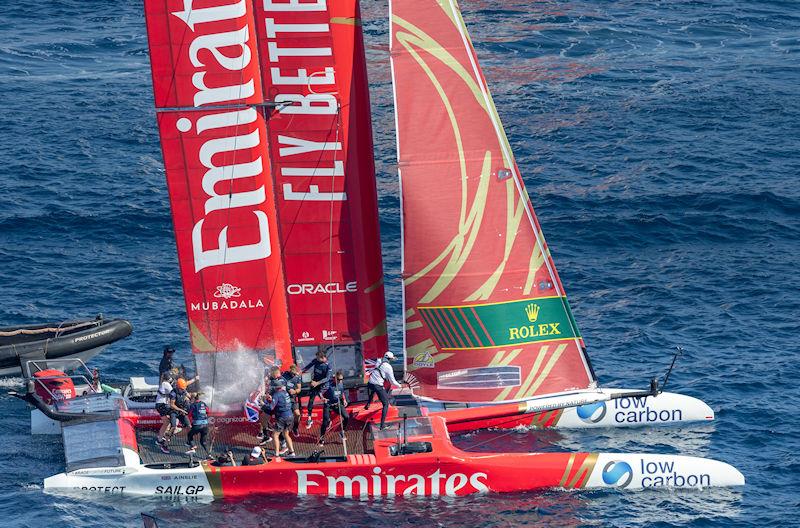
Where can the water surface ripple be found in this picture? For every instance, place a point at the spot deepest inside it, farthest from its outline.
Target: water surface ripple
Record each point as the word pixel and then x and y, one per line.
pixel 659 142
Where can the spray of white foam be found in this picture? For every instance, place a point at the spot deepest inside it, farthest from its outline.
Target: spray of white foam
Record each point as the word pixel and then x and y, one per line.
pixel 11 383
pixel 228 378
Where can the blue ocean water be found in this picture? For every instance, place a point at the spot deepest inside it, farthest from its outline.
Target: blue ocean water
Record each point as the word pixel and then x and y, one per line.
pixel 659 141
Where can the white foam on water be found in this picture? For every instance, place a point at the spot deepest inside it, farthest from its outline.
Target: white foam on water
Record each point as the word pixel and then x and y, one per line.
pixel 11 383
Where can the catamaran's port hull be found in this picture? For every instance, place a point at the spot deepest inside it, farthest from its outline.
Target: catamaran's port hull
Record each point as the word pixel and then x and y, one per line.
pixel 361 476
pixel 639 411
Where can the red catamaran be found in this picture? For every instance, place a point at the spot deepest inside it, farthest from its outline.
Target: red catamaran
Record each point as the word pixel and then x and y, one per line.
pixel 264 118
pixel 263 110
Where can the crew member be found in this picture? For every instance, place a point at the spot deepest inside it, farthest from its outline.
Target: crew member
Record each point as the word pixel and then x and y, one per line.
pixel 100 387
pixel 333 399
pixel 319 380
pixel 198 413
pixel 275 379
pixel 281 407
pixel 293 387
pixel 162 406
pixel 166 364
pixel 178 410
pixel 254 458
pixel 266 416
pixel 382 373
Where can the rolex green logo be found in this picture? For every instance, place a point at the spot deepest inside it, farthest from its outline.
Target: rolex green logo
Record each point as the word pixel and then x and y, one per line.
pixel 529 331
pixel 532 311
pixel 499 324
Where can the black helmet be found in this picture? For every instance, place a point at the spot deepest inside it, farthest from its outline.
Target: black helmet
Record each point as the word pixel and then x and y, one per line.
pixel 169 350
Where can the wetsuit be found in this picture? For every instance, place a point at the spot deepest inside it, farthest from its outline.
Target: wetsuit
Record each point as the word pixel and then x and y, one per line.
pixel 181 399
pixel 198 412
pixel 293 381
pixel 333 400
pixel 322 375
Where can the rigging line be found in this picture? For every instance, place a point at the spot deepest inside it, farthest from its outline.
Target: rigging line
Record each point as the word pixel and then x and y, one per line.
pixel 330 229
pixel 285 232
pixel 330 268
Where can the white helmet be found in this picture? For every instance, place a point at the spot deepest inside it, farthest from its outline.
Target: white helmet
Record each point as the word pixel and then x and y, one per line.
pixel 388 356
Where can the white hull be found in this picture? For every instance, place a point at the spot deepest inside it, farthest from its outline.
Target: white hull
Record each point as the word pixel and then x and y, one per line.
pixel 633 471
pixel 665 409
pixel 134 479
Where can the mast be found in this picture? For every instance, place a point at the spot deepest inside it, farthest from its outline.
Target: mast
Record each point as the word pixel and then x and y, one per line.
pixel 486 316
pixel 319 131
pixel 207 87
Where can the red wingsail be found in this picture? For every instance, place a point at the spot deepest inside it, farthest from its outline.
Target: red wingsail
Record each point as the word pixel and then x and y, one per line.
pixel 314 72
pixel 207 87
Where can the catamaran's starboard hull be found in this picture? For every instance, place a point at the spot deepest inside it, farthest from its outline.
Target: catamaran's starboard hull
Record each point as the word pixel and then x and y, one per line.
pixel 362 476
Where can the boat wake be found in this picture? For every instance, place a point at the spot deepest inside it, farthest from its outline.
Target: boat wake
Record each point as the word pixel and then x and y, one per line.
pixel 11 383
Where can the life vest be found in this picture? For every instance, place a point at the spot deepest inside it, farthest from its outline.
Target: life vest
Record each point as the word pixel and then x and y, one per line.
pixel 181 398
pixel 199 414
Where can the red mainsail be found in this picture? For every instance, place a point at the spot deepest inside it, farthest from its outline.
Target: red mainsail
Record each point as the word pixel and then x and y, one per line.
pixel 207 87
pixel 320 137
pixel 486 316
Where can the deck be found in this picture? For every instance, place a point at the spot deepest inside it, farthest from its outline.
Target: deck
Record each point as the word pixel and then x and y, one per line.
pixel 240 441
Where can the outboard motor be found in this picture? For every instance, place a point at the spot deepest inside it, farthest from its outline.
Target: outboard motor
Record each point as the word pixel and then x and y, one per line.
pixel 52 384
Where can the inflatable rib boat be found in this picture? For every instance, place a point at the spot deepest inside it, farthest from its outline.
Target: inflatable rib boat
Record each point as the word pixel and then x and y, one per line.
pixel 80 339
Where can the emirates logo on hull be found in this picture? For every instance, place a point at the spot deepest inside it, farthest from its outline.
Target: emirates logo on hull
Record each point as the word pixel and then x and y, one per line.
pixel 380 484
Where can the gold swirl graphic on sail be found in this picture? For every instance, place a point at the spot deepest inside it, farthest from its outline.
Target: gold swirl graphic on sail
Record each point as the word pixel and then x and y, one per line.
pixel 458 250
pixel 485 314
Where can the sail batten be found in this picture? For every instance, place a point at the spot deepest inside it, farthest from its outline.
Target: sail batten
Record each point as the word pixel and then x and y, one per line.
pixel 479 284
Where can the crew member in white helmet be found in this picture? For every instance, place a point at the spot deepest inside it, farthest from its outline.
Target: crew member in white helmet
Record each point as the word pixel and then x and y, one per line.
pixel 382 373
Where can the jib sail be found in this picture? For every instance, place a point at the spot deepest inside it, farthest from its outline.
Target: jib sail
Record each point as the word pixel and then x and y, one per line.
pixel 486 316
pixel 320 137
pixel 207 87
